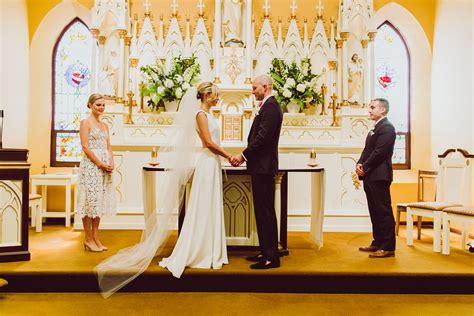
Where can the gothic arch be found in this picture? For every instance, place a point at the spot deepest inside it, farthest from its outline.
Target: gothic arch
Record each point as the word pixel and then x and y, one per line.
pixel 420 73
pixel 40 100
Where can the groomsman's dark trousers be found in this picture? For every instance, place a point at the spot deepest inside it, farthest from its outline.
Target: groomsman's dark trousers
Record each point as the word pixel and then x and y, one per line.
pixel 263 188
pixel 381 214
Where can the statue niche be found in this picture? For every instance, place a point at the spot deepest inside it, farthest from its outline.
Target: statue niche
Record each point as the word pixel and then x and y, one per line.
pixel 232 23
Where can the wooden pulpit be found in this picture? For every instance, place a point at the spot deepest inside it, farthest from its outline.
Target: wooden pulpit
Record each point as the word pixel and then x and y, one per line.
pixel 14 191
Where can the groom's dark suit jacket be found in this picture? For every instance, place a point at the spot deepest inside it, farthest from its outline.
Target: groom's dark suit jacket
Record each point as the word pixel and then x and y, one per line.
pixel 376 158
pixel 262 149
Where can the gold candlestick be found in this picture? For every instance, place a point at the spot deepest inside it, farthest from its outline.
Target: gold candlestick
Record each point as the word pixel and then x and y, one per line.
pixel 141 86
pixel 323 92
pixel 334 110
pixel 312 158
pixel 130 105
pixel 154 156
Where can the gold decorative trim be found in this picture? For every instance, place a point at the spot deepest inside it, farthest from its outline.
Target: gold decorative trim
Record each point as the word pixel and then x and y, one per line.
pixel 95 33
pixel 248 81
pixel 102 40
pixel 344 35
pixel 332 64
pixel 364 43
pixel 216 112
pixel 217 80
pixel 279 177
pixel 248 113
pixel 133 62
pixel 122 33
pixel 371 36
pixel 339 43
pixel 128 40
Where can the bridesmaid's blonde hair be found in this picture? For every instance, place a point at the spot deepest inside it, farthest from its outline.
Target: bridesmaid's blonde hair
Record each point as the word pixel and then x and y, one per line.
pixel 94 97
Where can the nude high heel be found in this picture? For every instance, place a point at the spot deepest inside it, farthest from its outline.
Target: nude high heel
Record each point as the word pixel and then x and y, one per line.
pixel 91 249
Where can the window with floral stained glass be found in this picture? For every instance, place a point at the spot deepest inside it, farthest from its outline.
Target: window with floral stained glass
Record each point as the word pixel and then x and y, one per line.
pixel 392 72
pixel 72 58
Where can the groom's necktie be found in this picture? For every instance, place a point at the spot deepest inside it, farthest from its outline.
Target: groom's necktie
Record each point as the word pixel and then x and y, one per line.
pixel 260 103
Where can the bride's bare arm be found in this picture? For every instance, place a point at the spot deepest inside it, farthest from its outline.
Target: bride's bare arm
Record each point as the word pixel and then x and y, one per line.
pixel 206 138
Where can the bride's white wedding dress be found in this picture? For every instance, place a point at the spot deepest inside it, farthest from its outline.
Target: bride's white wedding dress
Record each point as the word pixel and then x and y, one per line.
pixel 202 242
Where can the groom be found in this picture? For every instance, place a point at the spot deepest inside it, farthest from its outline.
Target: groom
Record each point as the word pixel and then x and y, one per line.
pixel 261 156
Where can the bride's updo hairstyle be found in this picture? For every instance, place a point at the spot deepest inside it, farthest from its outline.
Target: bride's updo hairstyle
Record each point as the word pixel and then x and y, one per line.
pixel 207 88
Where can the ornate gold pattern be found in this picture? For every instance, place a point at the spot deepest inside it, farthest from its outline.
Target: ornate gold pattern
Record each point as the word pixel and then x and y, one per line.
pixel 371 36
pixel 339 43
pixel 217 80
pixel 344 35
pixel 279 177
pixel 133 62
pixel 332 64
pixel 128 40
pixel 102 40
pixel 95 33
pixel 122 33
pixel 364 43
pixel 216 112
pixel 248 81
pixel 130 105
pixel 233 68
pixel 248 113
pixel 232 127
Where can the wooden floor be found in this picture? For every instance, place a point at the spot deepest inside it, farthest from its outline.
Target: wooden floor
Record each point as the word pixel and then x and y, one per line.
pixel 57 255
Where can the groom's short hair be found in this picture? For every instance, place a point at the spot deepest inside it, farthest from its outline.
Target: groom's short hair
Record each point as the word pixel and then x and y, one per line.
pixel 265 80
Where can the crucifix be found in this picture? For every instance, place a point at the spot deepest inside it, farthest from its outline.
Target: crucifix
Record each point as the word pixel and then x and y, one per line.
pixel 200 7
pixel 293 8
pixel 320 8
pixel 174 6
pixel 266 7
pixel 44 169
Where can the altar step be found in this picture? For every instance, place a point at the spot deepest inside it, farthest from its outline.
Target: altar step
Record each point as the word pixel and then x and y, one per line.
pixel 60 264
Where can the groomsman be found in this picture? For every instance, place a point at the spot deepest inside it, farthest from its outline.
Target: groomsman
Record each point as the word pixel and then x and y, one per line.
pixel 261 155
pixel 375 169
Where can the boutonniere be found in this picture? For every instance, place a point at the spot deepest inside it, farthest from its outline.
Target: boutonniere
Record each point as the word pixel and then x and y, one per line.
pixel 371 132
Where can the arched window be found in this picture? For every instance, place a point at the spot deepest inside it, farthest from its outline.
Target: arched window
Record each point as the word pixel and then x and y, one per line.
pixel 392 72
pixel 72 57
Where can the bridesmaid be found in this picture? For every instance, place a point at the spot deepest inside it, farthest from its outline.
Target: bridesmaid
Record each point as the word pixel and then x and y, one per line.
pixel 96 196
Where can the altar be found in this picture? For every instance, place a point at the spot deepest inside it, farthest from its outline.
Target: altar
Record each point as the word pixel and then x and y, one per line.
pixel 238 203
pixel 230 51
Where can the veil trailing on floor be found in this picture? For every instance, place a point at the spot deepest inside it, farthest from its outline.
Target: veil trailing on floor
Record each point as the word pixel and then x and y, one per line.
pixel 178 157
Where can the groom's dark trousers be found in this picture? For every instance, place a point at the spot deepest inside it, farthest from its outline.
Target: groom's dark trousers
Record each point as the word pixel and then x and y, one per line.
pixel 262 163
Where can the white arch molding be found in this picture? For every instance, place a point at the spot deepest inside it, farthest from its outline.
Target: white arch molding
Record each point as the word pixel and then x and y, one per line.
pixel 420 85
pixel 40 62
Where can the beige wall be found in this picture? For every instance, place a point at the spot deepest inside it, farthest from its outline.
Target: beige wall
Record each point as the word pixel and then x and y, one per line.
pixel 14 77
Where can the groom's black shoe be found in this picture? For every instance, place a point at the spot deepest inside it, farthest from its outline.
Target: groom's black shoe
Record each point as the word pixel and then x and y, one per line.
pixel 265 264
pixel 256 258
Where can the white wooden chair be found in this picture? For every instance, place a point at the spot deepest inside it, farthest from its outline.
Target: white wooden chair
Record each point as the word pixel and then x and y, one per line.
pixel 461 214
pixel 453 181
pixel 36 204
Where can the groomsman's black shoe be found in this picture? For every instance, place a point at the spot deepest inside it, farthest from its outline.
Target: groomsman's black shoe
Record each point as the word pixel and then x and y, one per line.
pixel 256 258
pixel 265 265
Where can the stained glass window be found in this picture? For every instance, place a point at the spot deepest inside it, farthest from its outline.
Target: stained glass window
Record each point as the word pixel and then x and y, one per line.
pixel 72 59
pixel 392 72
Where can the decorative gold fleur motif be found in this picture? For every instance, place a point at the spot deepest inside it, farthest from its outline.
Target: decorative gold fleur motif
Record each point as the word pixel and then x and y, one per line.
pixel 233 68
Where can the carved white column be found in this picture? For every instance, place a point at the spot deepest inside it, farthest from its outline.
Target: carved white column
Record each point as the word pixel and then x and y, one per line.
pixel 339 69
pixel 371 59
pixel 248 40
pixel 127 66
pixel 133 63
pixel 217 40
pixel 345 78
pixel 366 81
pixel 121 77
pixel 332 84
pixel 101 58
pixel 95 51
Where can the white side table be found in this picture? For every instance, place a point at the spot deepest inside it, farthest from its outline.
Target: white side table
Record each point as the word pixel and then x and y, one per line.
pixel 67 180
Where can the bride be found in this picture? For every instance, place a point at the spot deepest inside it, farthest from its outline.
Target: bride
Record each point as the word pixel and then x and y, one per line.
pixel 193 151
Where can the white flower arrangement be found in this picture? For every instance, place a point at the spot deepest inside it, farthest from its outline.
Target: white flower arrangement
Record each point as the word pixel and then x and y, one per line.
pixel 169 84
pixel 295 83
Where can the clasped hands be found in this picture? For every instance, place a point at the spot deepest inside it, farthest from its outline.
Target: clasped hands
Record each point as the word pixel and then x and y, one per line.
pixel 236 160
pixel 106 167
pixel 360 170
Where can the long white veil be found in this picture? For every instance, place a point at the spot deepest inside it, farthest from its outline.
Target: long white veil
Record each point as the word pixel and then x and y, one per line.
pixel 179 159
